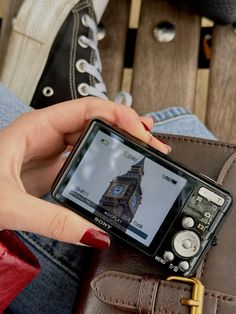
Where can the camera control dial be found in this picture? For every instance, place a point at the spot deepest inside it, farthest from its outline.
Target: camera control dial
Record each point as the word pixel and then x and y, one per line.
pixel 186 243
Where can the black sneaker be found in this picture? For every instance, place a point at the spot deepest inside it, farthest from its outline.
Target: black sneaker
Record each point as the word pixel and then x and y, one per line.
pixel 220 11
pixel 52 54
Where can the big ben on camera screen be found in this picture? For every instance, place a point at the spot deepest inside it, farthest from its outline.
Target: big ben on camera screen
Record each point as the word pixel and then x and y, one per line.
pixel 124 194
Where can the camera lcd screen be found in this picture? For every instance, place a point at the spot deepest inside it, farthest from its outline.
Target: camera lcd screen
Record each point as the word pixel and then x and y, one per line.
pixel 113 180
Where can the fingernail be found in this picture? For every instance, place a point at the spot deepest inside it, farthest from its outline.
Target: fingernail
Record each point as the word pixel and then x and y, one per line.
pixel 66 154
pixel 96 238
pixel 168 149
pixel 146 127
pixel 167 146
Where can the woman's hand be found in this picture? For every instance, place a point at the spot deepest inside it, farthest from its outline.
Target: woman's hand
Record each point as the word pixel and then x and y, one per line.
pixel 32 152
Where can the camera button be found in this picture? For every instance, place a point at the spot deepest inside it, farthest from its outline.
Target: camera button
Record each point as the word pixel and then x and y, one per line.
pixel 186 243
pixel 183 265
pixel 188 222
pixel 168 256
pixel 211 196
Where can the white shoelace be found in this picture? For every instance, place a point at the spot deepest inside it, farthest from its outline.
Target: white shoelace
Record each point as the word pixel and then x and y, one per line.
pixel 95 70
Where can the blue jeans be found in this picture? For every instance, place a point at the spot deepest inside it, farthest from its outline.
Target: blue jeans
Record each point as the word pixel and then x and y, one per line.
pixel 55 288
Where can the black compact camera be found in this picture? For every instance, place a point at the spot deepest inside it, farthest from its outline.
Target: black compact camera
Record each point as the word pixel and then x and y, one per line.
pixel 142 196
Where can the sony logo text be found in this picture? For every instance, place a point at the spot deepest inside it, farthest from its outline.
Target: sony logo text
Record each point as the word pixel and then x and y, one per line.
pixel 103 223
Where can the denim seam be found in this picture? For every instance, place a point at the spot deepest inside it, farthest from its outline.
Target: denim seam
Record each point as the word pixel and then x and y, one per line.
pixel 172 119
pixel 41 249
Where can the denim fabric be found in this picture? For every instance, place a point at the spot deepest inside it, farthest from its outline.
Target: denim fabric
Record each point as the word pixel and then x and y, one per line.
pixel 178 120
pixel 10 107
pixel 54 289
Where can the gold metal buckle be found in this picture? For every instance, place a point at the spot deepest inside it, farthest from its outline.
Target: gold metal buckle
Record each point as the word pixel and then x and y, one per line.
pixel 196 302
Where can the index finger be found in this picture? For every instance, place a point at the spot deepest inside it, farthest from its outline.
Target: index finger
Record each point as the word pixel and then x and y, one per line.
pixel 72 117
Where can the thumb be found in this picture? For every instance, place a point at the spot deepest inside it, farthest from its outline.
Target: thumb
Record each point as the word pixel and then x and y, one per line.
pixel 35 215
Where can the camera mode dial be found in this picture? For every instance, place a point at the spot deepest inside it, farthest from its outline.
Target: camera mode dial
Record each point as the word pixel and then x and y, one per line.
pixel 186 243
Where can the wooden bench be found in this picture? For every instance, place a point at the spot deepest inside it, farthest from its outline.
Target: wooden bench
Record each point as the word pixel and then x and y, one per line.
pixel 164 74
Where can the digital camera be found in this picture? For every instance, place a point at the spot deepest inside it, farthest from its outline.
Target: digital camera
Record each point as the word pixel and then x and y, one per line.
pixel 142 196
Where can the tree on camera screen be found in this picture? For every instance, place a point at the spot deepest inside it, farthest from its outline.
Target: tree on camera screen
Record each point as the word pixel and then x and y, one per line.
pixel 124 188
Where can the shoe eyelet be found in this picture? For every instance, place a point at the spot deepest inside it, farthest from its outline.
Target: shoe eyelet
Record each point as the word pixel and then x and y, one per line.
pixel 83 89
pixel 80 65
pixel 48 91
pixel 81 41
pixel 84 20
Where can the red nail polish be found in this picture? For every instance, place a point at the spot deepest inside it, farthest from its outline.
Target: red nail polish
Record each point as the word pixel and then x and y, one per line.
pixel 96 238
pixel 146 127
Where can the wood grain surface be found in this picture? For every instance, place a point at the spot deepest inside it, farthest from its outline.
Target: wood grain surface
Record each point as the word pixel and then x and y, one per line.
pixel 112 47
pixel 221 109
pixel 165 73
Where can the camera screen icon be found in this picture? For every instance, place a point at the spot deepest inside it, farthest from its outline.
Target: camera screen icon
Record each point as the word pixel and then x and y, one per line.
pixel 104 142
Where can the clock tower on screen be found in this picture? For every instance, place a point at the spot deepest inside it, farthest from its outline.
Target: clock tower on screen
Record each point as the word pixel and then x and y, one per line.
pixel 124 195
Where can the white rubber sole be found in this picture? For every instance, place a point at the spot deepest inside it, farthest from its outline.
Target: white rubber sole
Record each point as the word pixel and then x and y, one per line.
pixel 33 34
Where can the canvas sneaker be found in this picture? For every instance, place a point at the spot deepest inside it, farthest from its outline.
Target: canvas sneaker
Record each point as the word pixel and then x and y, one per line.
pixel 52 54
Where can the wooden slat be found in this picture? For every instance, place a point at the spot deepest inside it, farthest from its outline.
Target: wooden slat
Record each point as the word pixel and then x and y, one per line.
pixel 3 4
pixel 165 73
pixel 112 47
pixel 9 8
pixel 221 109
pixel 134 13
pixel 201 94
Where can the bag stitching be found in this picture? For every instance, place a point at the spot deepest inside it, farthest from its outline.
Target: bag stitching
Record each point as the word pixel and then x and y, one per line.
pixel 151 297
pixel 228 169
pixel 154 295
pixel 140 299
pixel 203 266
pixel 122 276
pixel 167 311
pixel 198 141
pixel 217 305
pixel 220 297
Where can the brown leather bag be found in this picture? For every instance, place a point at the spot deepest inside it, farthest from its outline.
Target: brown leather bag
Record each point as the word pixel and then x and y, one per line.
pixel 121 280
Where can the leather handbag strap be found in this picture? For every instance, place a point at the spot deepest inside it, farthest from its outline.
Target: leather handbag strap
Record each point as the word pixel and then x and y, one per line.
pixel 151 295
